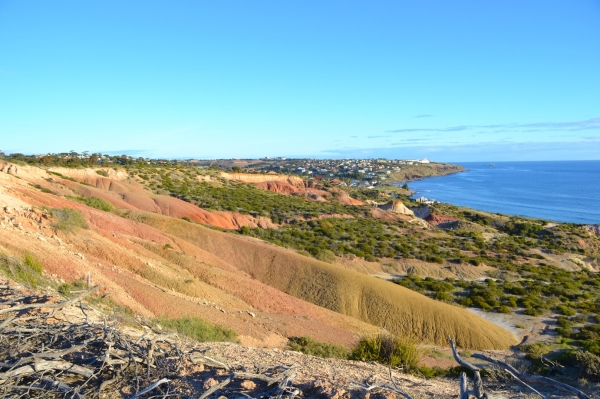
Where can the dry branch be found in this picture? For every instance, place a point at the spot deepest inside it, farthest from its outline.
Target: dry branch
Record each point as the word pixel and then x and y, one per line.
pixel 215 388
pixel 151 387
pixel 532 378
pixel 518 376
pixel 49 305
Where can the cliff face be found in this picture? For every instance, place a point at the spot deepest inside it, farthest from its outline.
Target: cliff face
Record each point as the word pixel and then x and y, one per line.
pixel 594 229
pixel 259 178
pixel 397 207
pixel 292 185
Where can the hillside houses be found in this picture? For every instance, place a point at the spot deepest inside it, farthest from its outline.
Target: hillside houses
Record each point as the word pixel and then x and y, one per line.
pixel 353 172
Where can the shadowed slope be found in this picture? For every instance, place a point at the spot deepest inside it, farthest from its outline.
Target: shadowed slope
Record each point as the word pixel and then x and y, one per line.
pixel 375 301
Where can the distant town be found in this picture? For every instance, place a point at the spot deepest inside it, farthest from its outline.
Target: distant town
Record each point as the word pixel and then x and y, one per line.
pixel 352 172
pixel 367 173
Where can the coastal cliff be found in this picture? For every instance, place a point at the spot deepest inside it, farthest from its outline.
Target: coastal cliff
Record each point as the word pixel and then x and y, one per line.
pixel 421 171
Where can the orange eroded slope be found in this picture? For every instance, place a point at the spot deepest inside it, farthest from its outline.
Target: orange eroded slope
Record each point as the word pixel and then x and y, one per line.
pixel 374 301
pixel 131 263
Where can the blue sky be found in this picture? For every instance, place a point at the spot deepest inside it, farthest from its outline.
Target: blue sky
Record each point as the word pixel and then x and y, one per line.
pixel 451 81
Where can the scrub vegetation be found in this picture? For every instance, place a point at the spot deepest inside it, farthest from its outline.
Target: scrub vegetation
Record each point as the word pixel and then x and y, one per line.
pixel 522 260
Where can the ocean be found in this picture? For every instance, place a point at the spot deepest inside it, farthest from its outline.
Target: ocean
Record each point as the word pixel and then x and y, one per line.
pixel 562 191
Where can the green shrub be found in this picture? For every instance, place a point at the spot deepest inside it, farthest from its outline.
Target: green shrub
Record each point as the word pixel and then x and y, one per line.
pixel 504 309
pixel 588 363
pixel 390 350
pixel 198 329
pixel 68 219
pixel 567 311
pixel 536 351
pixel 443 296
pixel 311 347
pixel 532 312
pixel 436 371
pixel 97 203
pixel 102 173
pixel 66 288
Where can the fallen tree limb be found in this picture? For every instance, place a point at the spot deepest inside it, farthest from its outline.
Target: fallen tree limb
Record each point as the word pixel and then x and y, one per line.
pixel 531 378
pixel 151 387
pixel 49 305
pixel 459 360
pixel 10 287
pixel 215 388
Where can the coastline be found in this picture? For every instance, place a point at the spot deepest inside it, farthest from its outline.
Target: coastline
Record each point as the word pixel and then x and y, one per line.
pixel 423 171
pixel 559 191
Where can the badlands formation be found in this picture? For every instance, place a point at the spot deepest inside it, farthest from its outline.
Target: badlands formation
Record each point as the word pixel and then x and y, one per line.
pixel 146 257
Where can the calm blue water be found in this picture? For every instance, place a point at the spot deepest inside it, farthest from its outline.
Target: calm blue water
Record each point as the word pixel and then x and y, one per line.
pixel 564 191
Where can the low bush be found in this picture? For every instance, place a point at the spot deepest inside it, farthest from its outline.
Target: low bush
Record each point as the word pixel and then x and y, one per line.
pixel 67 288
pixel 504 309
pixel 68 219
pixel 390 350
pixel 311 347
pixel 588 363
pixel 198 329
pixel 567 311
pixel 536 351
pixel 97 203
pixel 102 173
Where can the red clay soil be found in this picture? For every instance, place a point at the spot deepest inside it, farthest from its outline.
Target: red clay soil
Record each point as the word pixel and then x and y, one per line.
pixel 345 199
pixel 436 219
pixel 381 214
pixel 278 187
pixel 131 195
pixel 133 265
pixel 305 188
pixel 286 184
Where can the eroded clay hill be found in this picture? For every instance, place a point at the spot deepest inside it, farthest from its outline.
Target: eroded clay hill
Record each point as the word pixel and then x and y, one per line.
pixel 292 185
pixel 363 297
pixel 145 257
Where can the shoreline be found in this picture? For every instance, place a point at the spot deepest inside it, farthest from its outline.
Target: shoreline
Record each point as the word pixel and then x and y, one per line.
pixel 533 192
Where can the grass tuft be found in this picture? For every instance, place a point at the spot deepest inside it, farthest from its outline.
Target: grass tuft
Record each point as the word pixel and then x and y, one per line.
pixel 198 329
pixel 68 219
pixel 311 347
pixel 27 272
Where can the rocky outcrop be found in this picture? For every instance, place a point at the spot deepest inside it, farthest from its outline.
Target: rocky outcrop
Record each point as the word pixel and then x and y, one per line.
pixel 593 229
pixel 397 207
pixel 345 199
pixel 279 187
pixel 260 177
pixel 441 221
pixel 421 211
